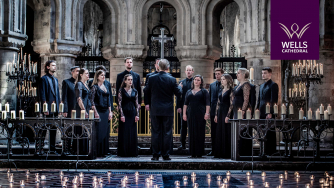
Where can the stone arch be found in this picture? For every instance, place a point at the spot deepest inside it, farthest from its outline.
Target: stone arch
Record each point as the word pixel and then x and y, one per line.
pixel 111 16
pixel 212 11
pixel 182 10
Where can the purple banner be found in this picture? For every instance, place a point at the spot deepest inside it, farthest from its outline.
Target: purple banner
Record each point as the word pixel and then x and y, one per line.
pixel 294 29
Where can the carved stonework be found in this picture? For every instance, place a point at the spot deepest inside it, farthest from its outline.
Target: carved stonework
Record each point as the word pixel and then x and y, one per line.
pixel 122 51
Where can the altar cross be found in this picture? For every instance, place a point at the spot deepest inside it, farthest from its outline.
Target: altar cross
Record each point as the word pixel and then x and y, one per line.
pixel 162 39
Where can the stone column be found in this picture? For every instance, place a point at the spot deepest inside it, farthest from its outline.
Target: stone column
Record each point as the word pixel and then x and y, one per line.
pixel 202 58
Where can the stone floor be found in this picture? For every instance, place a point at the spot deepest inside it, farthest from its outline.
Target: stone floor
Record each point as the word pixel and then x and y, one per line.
pixel 166 178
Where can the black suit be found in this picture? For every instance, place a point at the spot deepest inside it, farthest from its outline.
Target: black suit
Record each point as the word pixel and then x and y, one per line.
pixel 147 96
pixel 162 88
pixel 135 82
pixel 180 103
pixel 268 94
pixel 49 92
pixel 68 96
pixel 213 93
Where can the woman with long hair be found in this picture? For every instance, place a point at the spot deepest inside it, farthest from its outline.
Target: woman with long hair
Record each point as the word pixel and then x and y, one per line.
pixel 101 104
pixel 223 130
pixel 241 96
pixel 83 103
pixel 196 111
pixel 129 115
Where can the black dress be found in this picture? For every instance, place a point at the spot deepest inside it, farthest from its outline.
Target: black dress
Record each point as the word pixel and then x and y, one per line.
pixel 241 96
pixel 101 100
pixel 223 131
pixel 127 131
pixel 82 92
pixel 196 107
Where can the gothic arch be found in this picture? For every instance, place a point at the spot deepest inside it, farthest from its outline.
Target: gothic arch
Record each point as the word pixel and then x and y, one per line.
pixel 182 10
pixel 111 17
pixel 212 10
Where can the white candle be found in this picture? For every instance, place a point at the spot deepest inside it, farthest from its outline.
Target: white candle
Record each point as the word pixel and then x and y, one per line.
pixel 251 73
pixel 329 109
pixel 74 114
pixel 291 109
pixel 248 114
pixel 283 109
pixel 61 107
pixel 35 92
pixel 290 94
pixel 275 109
pixel 239 114
pixel 326 117
pixel 321 109
pixel 36 107
pixel 309 114
pixel 4 115
pixel 321 69
pixel 0 107
pixel 13 114
pixel 53 107
pixel 7 107
pixel 82 114
pixel 7 69
pixel 268 109
pixel 257 114
pixel 317 114
pixel 318 72
pixel 45 107
pixel 293 70
pixel 91 114
pixel 301 113
pixel 21 114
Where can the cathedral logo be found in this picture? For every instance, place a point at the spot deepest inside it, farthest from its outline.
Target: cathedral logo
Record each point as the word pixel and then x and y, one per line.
pixel 294 34
pixel 294 29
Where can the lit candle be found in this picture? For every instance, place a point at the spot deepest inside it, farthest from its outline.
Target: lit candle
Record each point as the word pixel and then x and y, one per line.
pixel 317 114
pixel 251 73
pixel 36 107
pixel 239 114
pixel 177 183
pixel 82 114
pixel 21 114
pixel 293 70
pixel 248 114
pixel 219 178
pixel 53 107
pixel 4 115
pixel 283 109
pixel 45 107
pixel 13 114
pixel 329 109
pixel 311 177
pixel 298 70
pixel 228 173
pixel 321 180
pixel 91 114
pixel 309 114
pixel 7 107
pixel 291 109
pixel 225 180
pixel 61 107
pixel 22 183
pixel 263 174
pixel 193 174
pixel 321 109
pixel 301 113
pixel 266 184
pixel 321 69
pixel 275 109
pixel 248 173
pixel 43 177
pixel 290 93
pixel 326 117
pixel 281 176
pixel 257 114
pixel 251 182
pixel 35 91
pixel 74 114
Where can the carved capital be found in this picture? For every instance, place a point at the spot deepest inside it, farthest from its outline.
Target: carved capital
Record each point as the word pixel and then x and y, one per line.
pixel 57 46
pixel 122 51
pixel 197 52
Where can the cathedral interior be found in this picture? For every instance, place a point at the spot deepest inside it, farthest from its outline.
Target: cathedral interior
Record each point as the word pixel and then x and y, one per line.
pixel 206 34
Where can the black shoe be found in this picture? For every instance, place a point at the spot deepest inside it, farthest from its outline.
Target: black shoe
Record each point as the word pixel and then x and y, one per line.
pixel 155 158
pixel 210 154
pixel 167 158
